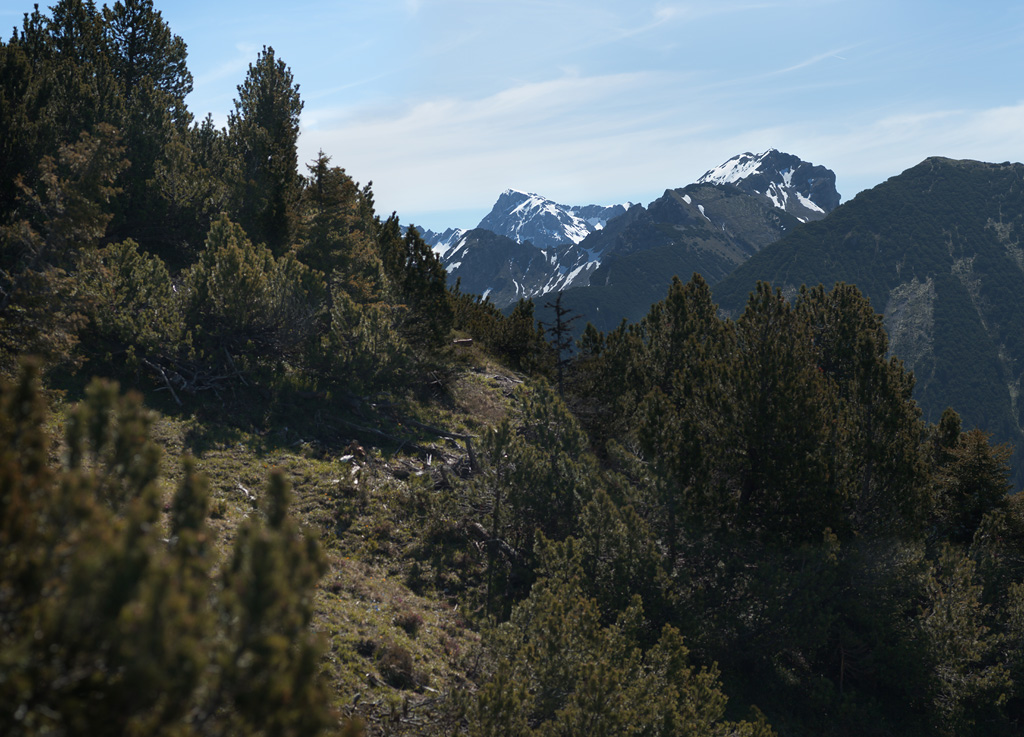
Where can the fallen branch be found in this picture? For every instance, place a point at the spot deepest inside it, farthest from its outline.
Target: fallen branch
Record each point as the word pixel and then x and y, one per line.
pixel 440 432
pixel 163 375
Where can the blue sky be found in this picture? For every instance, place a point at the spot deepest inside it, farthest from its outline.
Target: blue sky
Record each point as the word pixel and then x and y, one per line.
pixel 445 103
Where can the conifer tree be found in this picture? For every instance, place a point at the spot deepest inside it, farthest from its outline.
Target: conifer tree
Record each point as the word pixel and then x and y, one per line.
pixel 264 132
pixel 967 683
pixel 556 669
pixel 23 100
pixel 876 455
pixel 145 54
pixel 110 625
pixel 781 471
pixel 973 482
pixel 242 300
pixel 534 484
pixel 62 218
pixel 561 338
pixel 420 284
pixel 75 58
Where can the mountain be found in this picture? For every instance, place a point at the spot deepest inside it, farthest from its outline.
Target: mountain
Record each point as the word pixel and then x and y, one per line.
pixel 939 251
pixel 526 246
pixel 806 191
pixel 524 217
pixel 710 227
pixel 505 271
pixel 618 260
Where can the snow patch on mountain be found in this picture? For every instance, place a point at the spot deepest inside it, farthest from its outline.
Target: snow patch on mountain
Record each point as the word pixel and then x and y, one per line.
pixel 528 217
pixel 446 242
pixel 800 188
pixel 734 170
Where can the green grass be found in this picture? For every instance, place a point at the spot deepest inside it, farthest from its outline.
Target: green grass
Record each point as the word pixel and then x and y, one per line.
pixel 397 607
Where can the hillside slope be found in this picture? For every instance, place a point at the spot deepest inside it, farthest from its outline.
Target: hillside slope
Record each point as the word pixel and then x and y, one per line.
pixel 938 251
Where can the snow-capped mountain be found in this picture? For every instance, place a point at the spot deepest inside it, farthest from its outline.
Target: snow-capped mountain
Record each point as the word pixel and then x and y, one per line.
pixel 443 243
pixel 804 190
pixel 504 271
pixel 523 217
pixel 525 247
pixel 708 227
pixel 529 245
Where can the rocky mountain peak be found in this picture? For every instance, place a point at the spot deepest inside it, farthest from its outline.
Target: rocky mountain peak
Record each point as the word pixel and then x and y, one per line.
pixel 802 189
pixel 527 217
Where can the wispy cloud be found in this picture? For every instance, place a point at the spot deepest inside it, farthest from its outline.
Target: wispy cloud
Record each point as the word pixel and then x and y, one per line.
pixel 235 67
pixel 690 11
pixel 866 151
pixel 568 136
pixel 816 59
pixel 603 139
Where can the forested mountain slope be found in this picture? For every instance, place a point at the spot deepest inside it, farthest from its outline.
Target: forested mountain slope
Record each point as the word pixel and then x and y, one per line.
pixel 708 228
pixel 938 251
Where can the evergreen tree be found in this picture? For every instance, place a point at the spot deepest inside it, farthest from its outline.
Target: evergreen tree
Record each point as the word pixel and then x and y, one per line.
pixel 144 54
pixel 420 284
pixel 561 338
pixel 264 132
pixel 532 484
pixel 780 469
pixel 556 669
pixel 23 99
pixel 83 89
pixel 61 220
pixel 876 453
pixel 242 300
pixel 108 626
pixel 973 482
pixel 967 684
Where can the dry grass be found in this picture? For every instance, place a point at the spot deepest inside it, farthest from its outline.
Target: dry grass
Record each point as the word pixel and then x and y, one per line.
pixel 391 609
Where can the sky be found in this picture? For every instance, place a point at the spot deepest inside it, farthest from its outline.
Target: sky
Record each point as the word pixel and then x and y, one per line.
pixel 444 104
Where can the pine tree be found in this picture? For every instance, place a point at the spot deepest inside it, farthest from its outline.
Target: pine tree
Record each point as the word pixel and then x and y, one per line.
pixel 61 221
pixel 973 482
pixel 876 453
pixel 110 626
pixel 966 682
pixel 781 470
pixel 561 338
pixel 145 54
pixel 420 284
pixel 554 668
pixel 264 132
pixel 242 300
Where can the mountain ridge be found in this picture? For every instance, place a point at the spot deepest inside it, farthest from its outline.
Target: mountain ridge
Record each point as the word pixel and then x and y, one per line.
pixel 939 252
pixel 707 226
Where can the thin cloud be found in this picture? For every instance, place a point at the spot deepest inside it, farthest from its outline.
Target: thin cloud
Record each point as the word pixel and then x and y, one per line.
pixel 238 64
pixel 817 59
pixel 456 151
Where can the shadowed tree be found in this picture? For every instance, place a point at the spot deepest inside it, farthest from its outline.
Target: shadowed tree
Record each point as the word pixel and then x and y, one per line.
pixel 264 132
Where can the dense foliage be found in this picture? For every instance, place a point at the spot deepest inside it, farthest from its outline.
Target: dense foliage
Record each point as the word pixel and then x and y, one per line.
pixel 712 526
pixel 835 555
pixel 937 249
pixel 115 615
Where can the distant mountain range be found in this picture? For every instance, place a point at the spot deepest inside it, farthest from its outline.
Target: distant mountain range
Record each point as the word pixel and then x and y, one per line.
pixel 526 246
pixel 617 260
pixel 938 249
